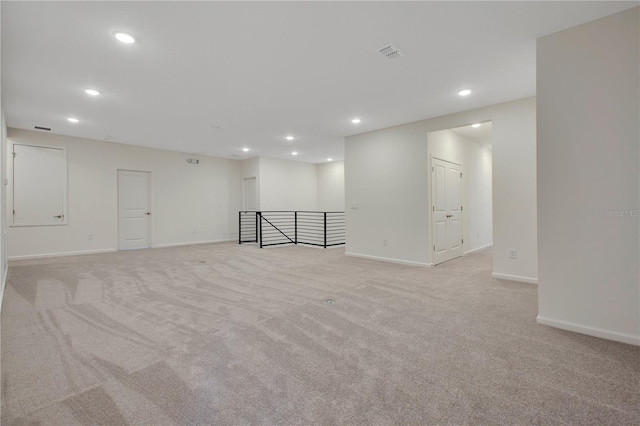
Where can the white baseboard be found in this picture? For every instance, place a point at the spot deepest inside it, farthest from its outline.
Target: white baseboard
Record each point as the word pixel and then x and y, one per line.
pixel 191 243
pixel 387 259
pixel 590 331
pixel 60 254
pixel 477 249
pixel 109 250
pixel 528 280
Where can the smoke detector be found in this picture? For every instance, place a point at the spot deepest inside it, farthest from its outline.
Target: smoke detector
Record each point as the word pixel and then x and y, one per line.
pixel 391 52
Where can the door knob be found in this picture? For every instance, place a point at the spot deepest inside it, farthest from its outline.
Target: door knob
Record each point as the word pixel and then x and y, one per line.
pixel 449 215
pixel 148 213
pixel 60 216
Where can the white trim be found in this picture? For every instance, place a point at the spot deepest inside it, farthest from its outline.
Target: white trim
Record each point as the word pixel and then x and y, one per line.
pixel 111 250
pixel 191 243
pixel 591 331
pixel 477 249
pixel 386 259
pixel 528 280
pixel 60 254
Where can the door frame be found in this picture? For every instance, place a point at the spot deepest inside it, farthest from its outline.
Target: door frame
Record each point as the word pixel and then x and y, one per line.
pixel 150 188
pixel 431 201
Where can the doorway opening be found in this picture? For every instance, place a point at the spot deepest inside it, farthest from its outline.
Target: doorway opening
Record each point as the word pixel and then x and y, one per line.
pixel 461 214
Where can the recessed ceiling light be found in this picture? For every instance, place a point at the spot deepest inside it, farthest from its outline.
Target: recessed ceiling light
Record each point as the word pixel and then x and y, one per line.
pixel 91 92
pixel 465 92
pixel 289 138
pixel 294 153
pixel 476 125
pixel 124 37
pixel 73 120
pixel 245 149
pixel 329 159
pixel 356 120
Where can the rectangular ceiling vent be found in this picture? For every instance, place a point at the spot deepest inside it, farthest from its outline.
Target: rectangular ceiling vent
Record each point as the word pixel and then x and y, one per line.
pixel 391 52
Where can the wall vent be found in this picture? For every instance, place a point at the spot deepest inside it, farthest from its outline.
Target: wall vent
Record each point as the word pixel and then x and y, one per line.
pixel 391 52
pixel 48 129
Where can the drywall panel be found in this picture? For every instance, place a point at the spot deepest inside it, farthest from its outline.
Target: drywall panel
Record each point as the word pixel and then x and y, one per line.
pixel 331 186
pixel 588 177
pixel 287 185
pixel 386 177
pixel 191 202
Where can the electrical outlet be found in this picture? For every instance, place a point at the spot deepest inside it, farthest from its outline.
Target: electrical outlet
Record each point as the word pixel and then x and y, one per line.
pixel 195 230
pixel 384 241
pixel 354 206
pixel 513 253
pixel 90 236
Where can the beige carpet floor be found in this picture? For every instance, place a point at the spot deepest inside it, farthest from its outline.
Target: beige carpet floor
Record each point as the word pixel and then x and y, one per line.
pixel 231 335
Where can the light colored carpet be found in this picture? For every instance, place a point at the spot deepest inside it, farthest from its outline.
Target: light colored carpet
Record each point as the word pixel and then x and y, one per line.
pixel 228 334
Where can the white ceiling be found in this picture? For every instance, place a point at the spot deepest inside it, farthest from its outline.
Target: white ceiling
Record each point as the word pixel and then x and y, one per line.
pixel 481 135
pixel 303 68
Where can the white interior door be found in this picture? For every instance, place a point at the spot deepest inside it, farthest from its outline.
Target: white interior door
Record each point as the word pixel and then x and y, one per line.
pixel 134 213
pixel 250 191
pixel 446 209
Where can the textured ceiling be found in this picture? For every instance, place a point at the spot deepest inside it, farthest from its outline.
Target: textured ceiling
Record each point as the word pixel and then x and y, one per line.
pixel 262 70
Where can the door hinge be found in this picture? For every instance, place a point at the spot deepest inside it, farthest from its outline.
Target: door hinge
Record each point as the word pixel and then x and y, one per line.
pixel 460 174
pixel 14 154
pixel 433 208
pixel 14 212
pixel 434 248
pixel 432 169
pixel 461 208
pixel 463 241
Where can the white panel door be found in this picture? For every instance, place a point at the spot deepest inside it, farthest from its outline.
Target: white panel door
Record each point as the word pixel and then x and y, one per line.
pixel 446 200
pixel 134 214
pixel 39 185
pixel 250 191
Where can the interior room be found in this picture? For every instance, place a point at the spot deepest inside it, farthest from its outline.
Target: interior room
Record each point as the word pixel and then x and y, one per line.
pixel 320 213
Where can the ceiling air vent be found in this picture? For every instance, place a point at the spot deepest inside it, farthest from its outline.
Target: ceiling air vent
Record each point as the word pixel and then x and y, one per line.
pixel 391 52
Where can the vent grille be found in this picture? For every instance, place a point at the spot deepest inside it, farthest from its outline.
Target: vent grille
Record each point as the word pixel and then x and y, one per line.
pixel 391 52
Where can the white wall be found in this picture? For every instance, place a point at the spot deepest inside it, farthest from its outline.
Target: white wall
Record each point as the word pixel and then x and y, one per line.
pixel 3 211
pixel 287 185
pixel 330 177
pixel 477 228
pixel 588 173
pixel 205 197
pixel 386 175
